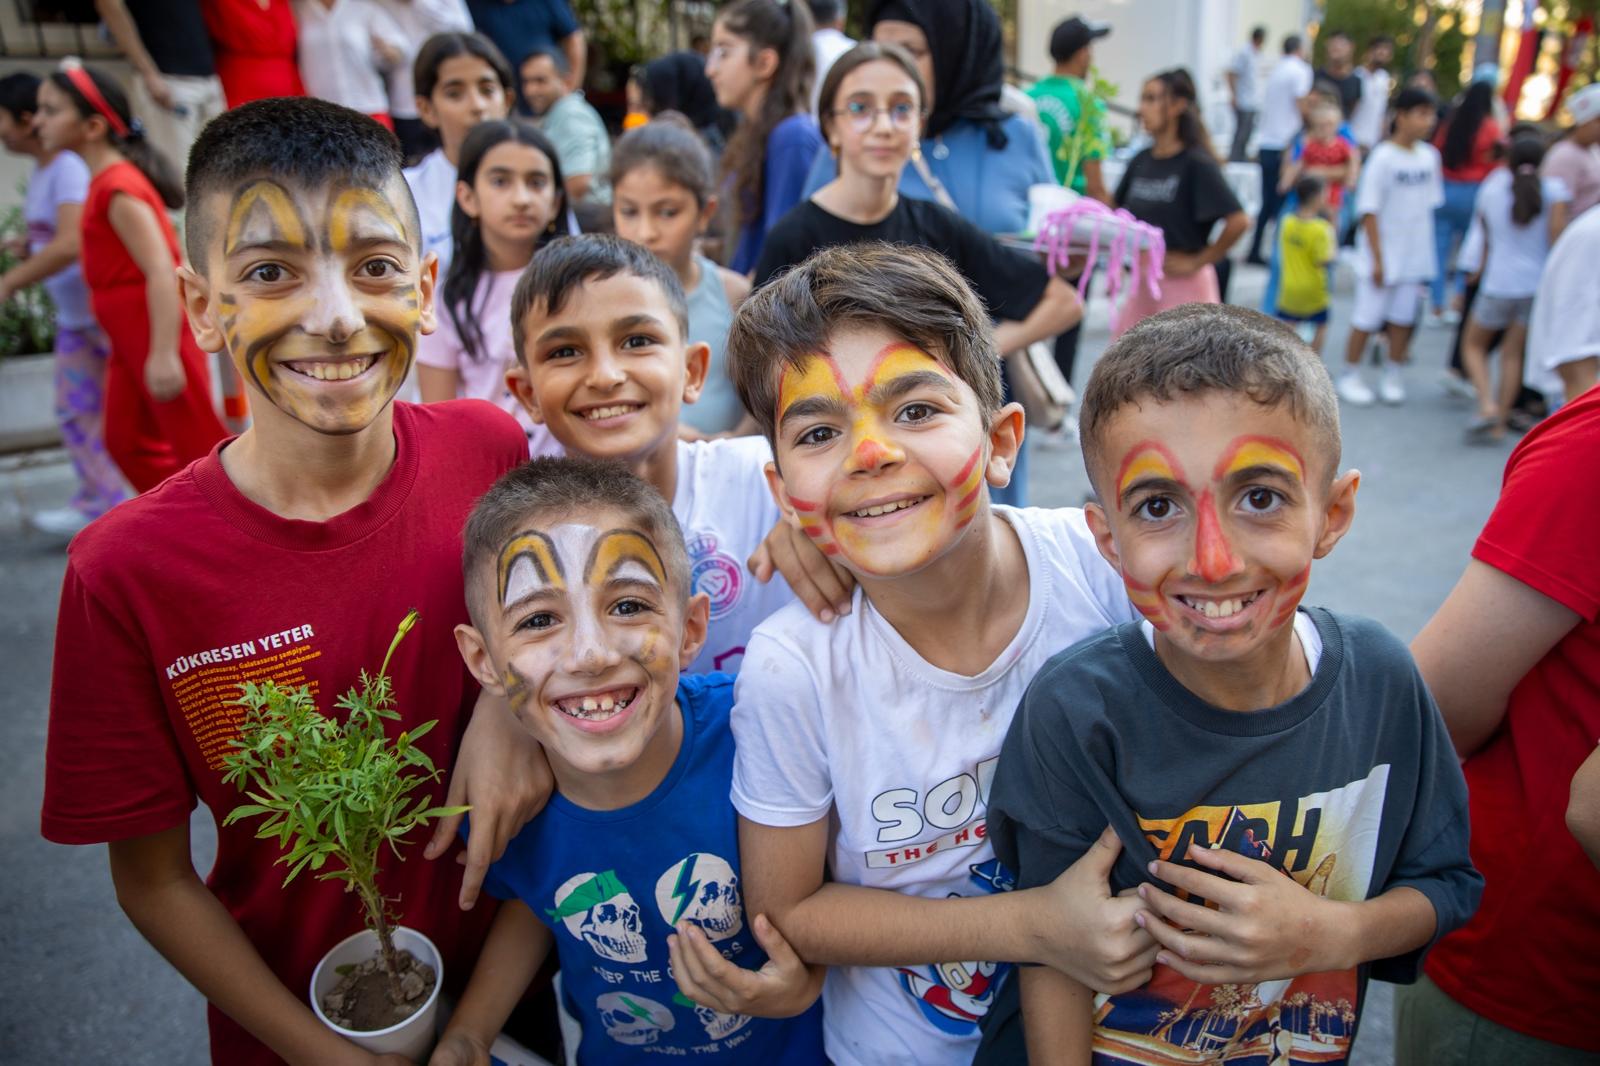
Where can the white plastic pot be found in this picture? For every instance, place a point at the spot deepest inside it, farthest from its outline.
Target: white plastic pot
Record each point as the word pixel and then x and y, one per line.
pixel 415 1036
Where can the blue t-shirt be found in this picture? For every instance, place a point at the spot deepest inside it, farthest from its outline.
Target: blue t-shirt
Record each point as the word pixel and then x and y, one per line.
pixel 791 146
pixel 989 186
pixel 518 27
pixel 612 884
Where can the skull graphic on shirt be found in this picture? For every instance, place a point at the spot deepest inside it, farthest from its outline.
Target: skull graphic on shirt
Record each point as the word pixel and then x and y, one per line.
pixel 633 1020
pixel 599 910
pixel 702 889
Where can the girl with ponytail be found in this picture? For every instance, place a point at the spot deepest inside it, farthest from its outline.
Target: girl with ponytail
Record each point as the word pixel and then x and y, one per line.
pixel 1521 214
pixel 158 411
pixel 762 66
pixel 1177 185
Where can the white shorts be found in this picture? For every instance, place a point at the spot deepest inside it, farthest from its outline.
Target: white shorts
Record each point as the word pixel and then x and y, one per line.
pixel 1377 305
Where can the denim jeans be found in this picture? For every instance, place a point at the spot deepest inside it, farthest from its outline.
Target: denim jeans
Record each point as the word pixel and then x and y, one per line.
pixel 1450 224
pixel 1271 166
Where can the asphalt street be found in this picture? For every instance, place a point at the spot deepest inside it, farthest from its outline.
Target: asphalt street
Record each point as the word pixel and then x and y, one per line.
pixel 80 985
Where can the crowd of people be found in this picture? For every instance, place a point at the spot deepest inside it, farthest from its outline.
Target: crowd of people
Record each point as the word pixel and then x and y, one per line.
pixel 702 448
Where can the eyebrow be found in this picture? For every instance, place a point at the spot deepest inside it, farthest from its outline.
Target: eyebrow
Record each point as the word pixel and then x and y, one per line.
pixel 537 592
pixel 635 321
pixel 1149 483
pixel 1257 471
pixel 811 407
pixel 911 381
pixel 278 245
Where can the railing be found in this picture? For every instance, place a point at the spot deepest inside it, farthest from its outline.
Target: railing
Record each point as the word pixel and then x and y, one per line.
pixel 49 29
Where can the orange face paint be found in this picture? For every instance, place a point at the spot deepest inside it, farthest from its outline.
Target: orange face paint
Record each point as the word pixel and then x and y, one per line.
pixel 966 488
pixel 1213 558
pixel 1251 452
pixel 1147 459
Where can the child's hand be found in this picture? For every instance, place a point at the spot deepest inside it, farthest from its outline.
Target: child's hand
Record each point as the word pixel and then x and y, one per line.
pixel 822 586
pixel 1090 935
pixel 454 1049
pixel 163 376
pixel 1268 927
pixel 783 987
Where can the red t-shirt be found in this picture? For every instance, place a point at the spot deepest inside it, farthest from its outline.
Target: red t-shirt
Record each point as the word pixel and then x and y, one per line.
pixel 106 262
pixel 176 596
pixel 1334 153
pixel 254 46
pixel 1480 160
pixel 1530 958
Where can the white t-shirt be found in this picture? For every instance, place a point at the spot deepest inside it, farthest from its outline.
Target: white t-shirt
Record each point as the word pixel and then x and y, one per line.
pixel 418 20
pixel 1246 70
pixel 337 59
pixel 1516 254
pixel 1565 324
pixel 1367 120
pixel 433 186
pixel 847 719
pixel 827 44
pixel 1402 186
pixel 1280 103
pixel 726 510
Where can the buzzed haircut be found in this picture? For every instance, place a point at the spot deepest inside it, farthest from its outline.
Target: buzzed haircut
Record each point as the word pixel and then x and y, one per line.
pixel 1198 349
pixel 1412 96
pixel 1258 34
pixel 913 293
pixel 556 57
pixel 567 263
pixel 1308 188
pixel 549 491
pixel 1291 44
pixel 298 140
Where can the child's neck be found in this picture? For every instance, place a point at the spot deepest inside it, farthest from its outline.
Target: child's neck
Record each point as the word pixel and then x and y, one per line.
pixel 971 589
pixel 659 466
pixel 627 785
pixel 858 198
pixel 1273 674
pixel 688 271
pixel 295 472
pixel 99 155
pixel 1403 141
pixel 503 254
pixel 1308 212
pixel 752 107
pixel 1167 144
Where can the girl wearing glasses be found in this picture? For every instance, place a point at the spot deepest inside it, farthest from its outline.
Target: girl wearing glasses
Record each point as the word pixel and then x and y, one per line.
pixel 872 114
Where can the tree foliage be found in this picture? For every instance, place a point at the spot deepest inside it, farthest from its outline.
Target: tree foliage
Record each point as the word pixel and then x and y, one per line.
pixel 1427 36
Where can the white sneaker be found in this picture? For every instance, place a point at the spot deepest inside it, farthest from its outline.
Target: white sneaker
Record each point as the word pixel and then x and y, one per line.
pixel 1354 391
pixel 1391 385
pixel 1456 385
pixel 58 522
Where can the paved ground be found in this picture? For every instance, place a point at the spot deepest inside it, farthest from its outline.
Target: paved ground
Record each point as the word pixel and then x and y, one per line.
pixel 79 984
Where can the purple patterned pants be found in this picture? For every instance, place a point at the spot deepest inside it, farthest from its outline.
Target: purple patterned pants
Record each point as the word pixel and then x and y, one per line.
pixel 80 400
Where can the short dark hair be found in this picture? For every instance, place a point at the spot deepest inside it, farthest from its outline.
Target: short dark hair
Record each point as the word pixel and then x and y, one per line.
pixel 826 11
pixel 545 488
pixel 1337 35
pixel 1258 34
pixel 19 94
pixel 856 58
pixel 556 57
pixel 300 139
pixel 1412 96
pixel 567 263
pixel 1291 44
pixel 442 46
pixel 912 292
pixel 1377 39
pixel 1308 188
pixel 1198 348
pixel 672 148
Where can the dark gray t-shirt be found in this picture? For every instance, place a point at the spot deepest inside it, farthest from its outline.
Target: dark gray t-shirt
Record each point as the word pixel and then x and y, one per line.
pixel 1351 787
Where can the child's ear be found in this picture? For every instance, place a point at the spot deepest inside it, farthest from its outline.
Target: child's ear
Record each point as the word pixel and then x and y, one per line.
pixel 427 286
pixel 708 213
pixel 467 199
pixel 765 62
pixel 426 113
pixel 779 496
pixel 697 362
pixel 1100 526
pixel 696 622
pixel 475 653
pixel 1005 441
pixel 1339 512
pixel 194 292
pixel 521 387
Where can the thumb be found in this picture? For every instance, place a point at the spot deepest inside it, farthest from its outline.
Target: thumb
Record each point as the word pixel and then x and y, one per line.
pixel 1102 856
pixel 760 564
pixel 772 942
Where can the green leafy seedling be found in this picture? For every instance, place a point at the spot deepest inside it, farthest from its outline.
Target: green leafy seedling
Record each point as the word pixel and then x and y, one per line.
pixel 334 794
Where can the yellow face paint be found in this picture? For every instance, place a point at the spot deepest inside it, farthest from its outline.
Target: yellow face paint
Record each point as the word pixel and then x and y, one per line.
pixel 1146 460
pixel 539 566
pixel 348 205
pixel 263 212
pixel 614 550
pixel 1249 452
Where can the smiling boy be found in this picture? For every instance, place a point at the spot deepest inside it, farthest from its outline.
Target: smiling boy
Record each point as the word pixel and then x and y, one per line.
pixel 290 552
pixel 604 362
pixel 578 583
pixel 1284 770
pixel 866 747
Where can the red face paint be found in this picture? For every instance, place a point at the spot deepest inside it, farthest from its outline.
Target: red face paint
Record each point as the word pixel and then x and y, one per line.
pixel 1213 557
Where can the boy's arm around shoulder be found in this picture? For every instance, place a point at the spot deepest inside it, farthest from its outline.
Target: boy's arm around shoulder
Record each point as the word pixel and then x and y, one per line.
pixel 517 945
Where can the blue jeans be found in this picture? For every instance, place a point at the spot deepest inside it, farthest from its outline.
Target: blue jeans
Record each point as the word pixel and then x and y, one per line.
pixel 1271 160
pixel 1450 224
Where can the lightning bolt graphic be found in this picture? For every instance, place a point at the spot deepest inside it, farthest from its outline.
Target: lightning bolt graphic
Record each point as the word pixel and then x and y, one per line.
pixel 685 888
pixel 636 1010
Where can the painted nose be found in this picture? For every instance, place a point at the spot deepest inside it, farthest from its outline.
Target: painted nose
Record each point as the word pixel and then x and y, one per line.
pixel 873 452
pixel 1214 560
pixel 334 314
pixel 589 653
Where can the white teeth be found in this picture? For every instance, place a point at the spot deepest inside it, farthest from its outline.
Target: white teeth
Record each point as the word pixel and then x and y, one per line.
pixel 590 704
pixel 344 371
pixel 1219 608
pixel 596 413
pixel 593 707
pixel 886 508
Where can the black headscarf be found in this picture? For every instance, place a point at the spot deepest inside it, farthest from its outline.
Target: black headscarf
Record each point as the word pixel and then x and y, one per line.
pixel 964 44
pixel 678 82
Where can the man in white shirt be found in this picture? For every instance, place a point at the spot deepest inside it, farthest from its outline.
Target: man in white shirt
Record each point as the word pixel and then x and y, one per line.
pixel 418 20
pixel 1282 116
pixel 1368 120
pixel 828 41
pixel 1244 87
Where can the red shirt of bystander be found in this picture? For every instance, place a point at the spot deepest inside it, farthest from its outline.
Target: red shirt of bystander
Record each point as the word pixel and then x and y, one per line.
pixel 174 598
pixel 254 43
pixel 1530 958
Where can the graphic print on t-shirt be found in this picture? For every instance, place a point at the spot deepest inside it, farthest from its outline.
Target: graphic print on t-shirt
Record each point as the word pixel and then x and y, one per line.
pixel 954 996
pixel 1327 842
pixel 598 910
pixel 206 684
pixel 716 573
pixel 631 1019
pixel 702 889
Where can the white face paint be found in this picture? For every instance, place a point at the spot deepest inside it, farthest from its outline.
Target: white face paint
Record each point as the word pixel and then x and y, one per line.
pixel 567 555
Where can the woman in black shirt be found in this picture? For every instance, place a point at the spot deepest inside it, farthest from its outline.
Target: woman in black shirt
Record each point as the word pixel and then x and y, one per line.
pixel 1177 186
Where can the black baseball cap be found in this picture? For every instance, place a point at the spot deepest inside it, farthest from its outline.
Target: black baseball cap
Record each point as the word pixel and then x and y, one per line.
pixel 1073 34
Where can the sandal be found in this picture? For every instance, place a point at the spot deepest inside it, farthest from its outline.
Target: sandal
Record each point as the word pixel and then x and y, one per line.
pixel 1485 431
pixel 1521 421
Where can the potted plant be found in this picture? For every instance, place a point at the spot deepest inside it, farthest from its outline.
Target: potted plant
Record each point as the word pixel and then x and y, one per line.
pixel 335 795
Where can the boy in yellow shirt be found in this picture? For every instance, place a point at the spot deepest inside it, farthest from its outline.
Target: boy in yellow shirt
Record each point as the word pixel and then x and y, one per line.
pixel 1307 246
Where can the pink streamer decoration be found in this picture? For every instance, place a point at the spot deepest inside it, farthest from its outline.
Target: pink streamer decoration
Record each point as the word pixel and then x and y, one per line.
pixel 1055 240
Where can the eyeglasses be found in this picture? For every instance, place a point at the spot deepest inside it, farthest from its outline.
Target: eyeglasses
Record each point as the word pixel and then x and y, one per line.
pixel 861 115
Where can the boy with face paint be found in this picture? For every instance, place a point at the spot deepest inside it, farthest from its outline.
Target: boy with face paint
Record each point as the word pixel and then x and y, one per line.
pixel 578 585
pixel 1292 812
pixel 866 747
pixel 290 552
pixel 605 364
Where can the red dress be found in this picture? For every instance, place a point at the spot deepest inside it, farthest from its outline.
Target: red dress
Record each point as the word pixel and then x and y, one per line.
pixel 254 48
pixel 150 441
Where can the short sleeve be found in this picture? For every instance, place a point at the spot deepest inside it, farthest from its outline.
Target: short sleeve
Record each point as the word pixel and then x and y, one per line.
pixel 790 151
pixel 1542 528
pixel 780 762
pixel 1120 197
pixel 563 24
pixel 1326 246
pixel 1564 166
pixel 113 766
pixel 1438 176
pixel 1009 282
pixel 1304 78
pixel 577 145
pixel 1557 191
pixel 70 180
pixel 1213 199
pixel 1374 179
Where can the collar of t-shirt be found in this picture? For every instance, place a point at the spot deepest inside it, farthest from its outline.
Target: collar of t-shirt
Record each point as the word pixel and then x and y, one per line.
pixel 1304 629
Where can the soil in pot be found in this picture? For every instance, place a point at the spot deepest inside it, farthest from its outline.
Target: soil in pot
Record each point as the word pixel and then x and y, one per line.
pixel 361 1003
